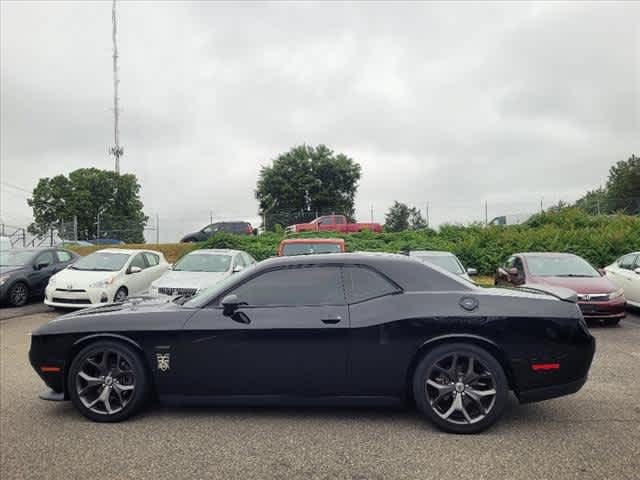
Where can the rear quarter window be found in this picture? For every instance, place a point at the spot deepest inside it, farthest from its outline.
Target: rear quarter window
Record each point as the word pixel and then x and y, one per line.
pixel 362 283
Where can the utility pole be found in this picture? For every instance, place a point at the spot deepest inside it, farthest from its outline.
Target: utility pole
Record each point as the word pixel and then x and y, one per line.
pixel 372 213
pixel 426 212
pixel 541 209
pixel 486 214
pixel 157 229
pixel 210 217
pixel 116 150
pixel 75 228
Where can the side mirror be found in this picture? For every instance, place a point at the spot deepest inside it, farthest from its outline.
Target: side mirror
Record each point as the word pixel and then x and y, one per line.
pixel 472 271
pixel 134 269
pixel 40 266
pixel 602 272
pixel 637 270
pixel 238 268
pixel 230 304
pixel 513 272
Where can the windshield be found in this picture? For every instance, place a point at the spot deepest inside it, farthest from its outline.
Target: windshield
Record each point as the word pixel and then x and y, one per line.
pixel 203 262
pixel 560 266
pixel 206 294
pixel 18 258
pixel 448 262
pixel 102 262
pixel 310 248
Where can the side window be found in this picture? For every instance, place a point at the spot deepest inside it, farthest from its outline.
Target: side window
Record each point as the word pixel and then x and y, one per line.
pixel 326 221
pixel 364 284
pixel 238 261
pixel 627 262
pixel 45 258
pixel 518 264
pixel 208 229
pixel 248 259
pixel 340 220
pixel 152 259
pixel 510 263
pixel 63 256
pixel 138 261
pixel 294 287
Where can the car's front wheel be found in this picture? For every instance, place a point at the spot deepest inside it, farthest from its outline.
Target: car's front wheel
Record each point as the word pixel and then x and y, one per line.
pixel 18 294
pixel 108 382
pixel 120 296
pixel 460 387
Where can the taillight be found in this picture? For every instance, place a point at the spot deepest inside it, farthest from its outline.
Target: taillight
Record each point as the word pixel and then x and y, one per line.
pixel 537 367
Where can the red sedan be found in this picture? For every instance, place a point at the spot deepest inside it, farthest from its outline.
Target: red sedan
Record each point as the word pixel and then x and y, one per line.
pixel 598 297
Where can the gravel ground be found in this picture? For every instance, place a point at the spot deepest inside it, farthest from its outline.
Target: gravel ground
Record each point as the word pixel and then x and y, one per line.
pixel 594 434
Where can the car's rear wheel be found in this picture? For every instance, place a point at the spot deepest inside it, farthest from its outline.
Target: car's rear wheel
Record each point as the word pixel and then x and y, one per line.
pixel 18 294
pixel 460 387
pixel 108 382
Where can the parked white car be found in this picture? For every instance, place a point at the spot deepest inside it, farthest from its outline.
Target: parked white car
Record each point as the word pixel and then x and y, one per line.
pixel 446 260
pixel 105 276
pixel 200 269
pixel 625 273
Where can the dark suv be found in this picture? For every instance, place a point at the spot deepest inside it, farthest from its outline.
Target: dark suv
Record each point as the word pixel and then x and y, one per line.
pixel 240 228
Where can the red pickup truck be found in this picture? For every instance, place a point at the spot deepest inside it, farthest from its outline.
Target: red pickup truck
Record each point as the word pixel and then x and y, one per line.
pixel 333 223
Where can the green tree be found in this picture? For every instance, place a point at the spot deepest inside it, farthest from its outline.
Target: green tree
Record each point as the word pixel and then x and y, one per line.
pixel 306 181
pixel 623 186
pixel 397 218
pixel 88 193
pixel 621 192
pixel 416 220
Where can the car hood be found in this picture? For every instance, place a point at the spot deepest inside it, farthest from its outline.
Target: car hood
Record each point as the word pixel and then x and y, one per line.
pixel 577 284
pixel 8 270
pixel 70 278
pixel 135 314
pixel 197 280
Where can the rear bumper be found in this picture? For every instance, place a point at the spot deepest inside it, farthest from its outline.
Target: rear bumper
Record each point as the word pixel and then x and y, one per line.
pixel 553 391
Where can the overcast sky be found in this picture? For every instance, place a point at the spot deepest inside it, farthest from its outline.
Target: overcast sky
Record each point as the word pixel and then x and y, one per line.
pixel 451 104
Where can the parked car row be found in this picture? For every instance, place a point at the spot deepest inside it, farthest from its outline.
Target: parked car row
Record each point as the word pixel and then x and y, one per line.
pixel 112 275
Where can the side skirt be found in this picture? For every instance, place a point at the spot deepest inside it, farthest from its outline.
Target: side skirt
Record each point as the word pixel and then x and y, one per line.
pixel 281 400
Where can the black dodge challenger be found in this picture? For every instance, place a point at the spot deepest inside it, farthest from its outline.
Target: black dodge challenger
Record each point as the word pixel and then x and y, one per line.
pixel 322 329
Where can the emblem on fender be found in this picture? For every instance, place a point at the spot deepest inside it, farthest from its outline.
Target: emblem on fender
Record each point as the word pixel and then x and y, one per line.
pixel 163 361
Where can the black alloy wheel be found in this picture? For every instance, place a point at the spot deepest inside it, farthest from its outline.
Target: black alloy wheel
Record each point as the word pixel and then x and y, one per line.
pixel 461 388
pixel 107 382
pixel 18 294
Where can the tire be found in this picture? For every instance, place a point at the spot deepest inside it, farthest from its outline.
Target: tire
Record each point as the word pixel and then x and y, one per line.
pixel 612 322
pixel 120 295
pixel 18 295
pixel 108 382
pixel 454 398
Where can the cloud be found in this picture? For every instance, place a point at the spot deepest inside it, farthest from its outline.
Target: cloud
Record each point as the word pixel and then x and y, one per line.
pixel 447 104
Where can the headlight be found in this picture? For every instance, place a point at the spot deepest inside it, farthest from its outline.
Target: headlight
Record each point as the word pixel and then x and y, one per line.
pixel 616 294
pixel 3 278
pixel 102 283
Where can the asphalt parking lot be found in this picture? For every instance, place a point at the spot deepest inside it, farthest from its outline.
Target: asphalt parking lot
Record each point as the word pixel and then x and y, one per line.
pixel 594 434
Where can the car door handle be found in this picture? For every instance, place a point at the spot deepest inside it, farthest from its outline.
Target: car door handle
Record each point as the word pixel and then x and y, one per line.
pixel 331 320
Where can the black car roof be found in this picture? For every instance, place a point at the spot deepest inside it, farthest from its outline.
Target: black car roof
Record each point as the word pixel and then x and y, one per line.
pixel 407 272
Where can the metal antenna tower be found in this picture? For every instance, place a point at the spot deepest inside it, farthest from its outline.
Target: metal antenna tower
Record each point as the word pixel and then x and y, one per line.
pixel 116 150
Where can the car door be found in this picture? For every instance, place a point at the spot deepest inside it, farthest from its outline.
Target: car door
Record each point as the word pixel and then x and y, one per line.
pixel 155 268
pixel 289 339
pixel 44 266
pixel 137 282
pixel 625 277
pixel 326 224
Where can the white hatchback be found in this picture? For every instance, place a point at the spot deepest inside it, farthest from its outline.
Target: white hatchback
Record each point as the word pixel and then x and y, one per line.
pixel 106 276
pixel 625 273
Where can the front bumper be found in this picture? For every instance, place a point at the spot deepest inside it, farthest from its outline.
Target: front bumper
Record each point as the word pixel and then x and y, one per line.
pixel 610 309
pixel 81 298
